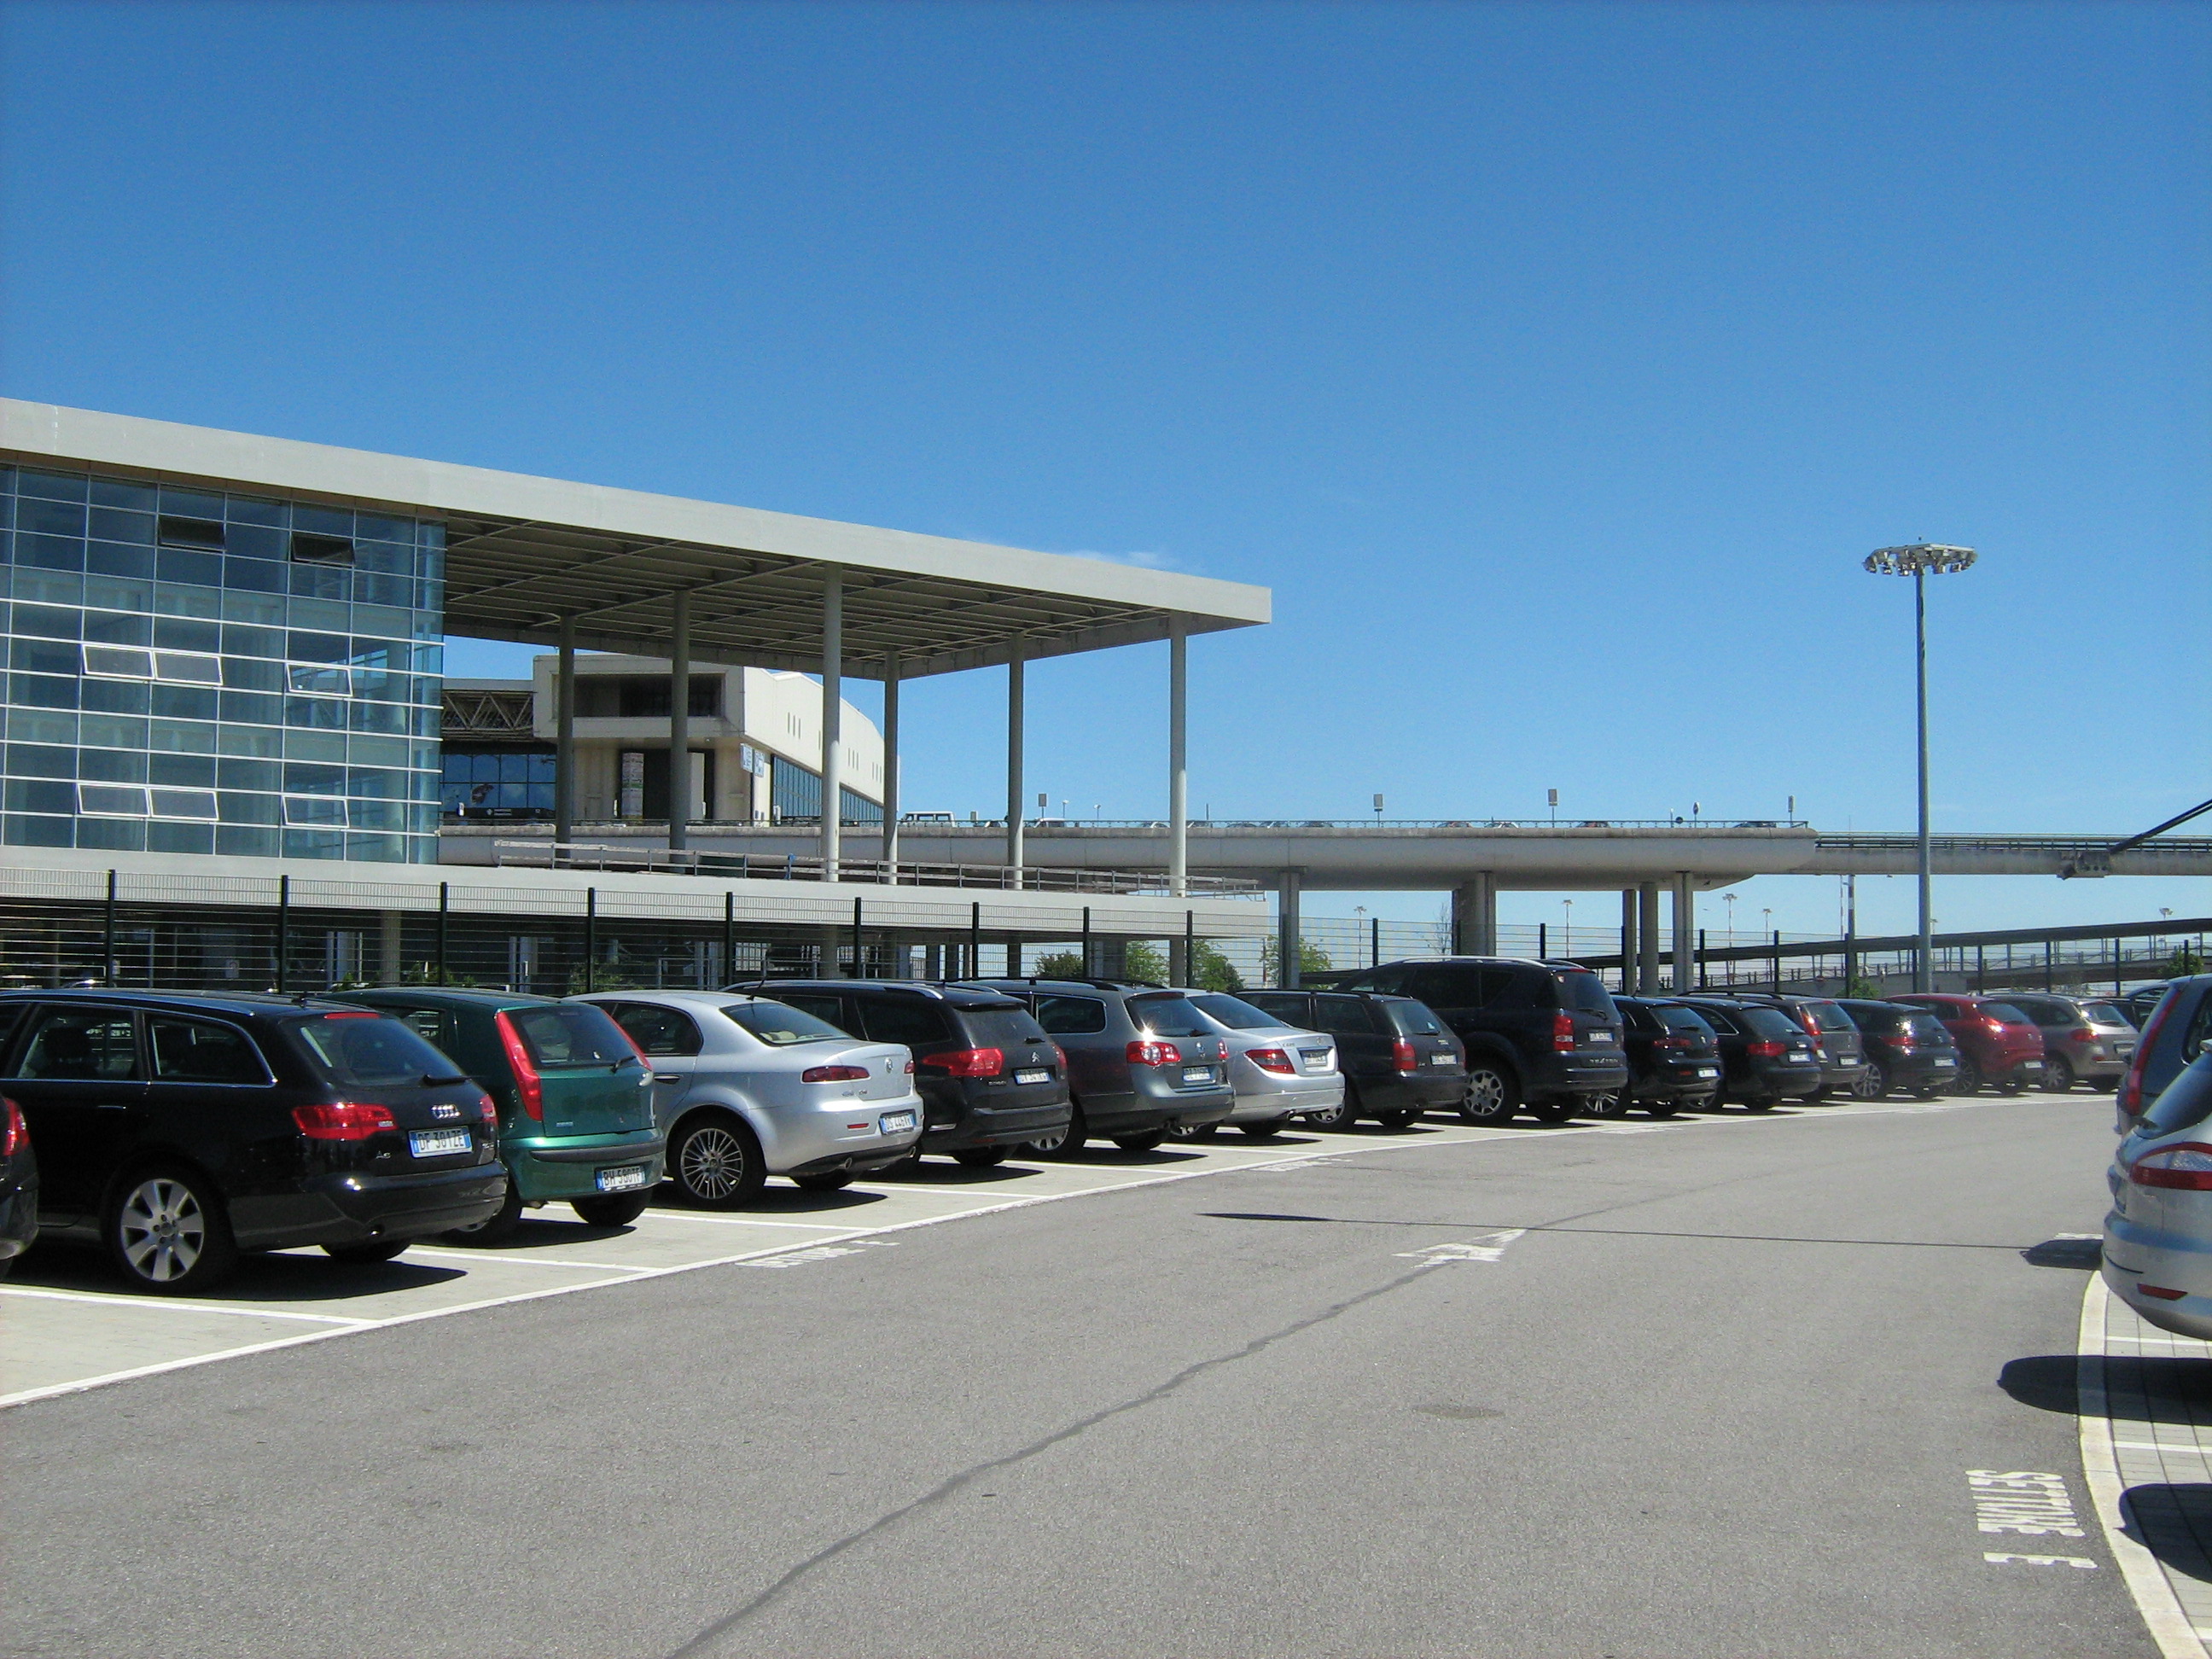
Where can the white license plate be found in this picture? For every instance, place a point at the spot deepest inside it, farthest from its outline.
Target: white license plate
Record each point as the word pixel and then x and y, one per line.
pixel 1198 1074
pixel 1600 1036
pixel 1709 1070
pixel 1846 1062
pixel 438 1143
pixel 1040 1075
pixel 1946 1062
pixel 1442 1060
pixel 621 1180
pixel 895 1123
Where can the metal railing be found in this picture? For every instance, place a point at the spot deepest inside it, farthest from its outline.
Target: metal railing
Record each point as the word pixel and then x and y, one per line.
pixel 794 866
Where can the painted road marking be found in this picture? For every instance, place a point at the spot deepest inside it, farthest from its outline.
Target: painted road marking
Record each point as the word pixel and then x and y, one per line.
pixel 2040 1560
pixel 163 1305
pixel 2023 1501
pixel 820 1252
pixel 1485 1247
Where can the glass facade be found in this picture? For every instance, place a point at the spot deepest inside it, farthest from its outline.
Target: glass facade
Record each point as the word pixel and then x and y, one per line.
pixel 506 783
pixel 193 671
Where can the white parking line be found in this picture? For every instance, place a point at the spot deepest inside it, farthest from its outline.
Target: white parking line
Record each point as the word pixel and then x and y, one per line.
pixel 479 1257
pixel 165 1304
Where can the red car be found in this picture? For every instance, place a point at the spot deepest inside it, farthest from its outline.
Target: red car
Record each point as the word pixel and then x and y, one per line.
pixel 1998 1044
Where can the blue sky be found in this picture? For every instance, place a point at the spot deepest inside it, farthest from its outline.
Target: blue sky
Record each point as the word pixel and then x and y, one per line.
pixel 1554 364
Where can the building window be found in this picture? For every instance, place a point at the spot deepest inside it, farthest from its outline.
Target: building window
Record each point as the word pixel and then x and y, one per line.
pixel 197 534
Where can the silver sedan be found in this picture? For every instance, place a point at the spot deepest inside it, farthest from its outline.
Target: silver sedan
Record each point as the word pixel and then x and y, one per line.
pixel 747 1087
pixel 1278 1071
pixel 2157 1237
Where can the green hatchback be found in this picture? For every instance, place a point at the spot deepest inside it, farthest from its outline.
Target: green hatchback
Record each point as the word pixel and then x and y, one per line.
pixel 575 1098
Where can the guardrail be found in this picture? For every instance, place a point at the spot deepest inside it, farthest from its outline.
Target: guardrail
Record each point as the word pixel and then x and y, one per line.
pixel 790 867
pixel 1047 826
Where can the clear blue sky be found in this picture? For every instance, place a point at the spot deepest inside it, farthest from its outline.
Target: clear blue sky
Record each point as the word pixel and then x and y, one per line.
pixel 1554 364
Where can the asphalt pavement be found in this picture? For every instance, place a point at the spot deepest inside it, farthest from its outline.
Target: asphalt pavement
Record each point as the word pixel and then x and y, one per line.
pixel 1720 1387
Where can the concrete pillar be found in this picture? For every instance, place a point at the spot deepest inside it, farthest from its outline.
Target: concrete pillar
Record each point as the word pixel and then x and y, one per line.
pixel 1287 929
pixel 891 767
pixel 1178 768
pixel 680 719
pixel 1647 937
pixel 1474 916
pixel 1629 918
pixel 1014 784
pixel 833 719
pixel 390 948
pixel 564 736
pixel 1686 935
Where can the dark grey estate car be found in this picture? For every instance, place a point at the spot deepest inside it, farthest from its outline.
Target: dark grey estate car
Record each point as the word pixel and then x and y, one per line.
pixel 1398 1060
pixel 1138 1059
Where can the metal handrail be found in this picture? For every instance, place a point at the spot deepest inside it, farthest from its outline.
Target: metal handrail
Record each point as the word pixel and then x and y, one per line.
pixel 792 867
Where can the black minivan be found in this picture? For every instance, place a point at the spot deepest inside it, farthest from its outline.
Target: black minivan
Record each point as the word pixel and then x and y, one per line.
pixel 177 1129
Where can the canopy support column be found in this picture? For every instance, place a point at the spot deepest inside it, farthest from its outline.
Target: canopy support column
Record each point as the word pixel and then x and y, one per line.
pixel 833 720
pixel 1178 759
pixel 564 738
pixel 891 768
pixel 679 721
pixel 1014 784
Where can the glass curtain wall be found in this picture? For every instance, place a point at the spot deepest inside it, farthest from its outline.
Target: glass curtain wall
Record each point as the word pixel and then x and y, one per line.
pixel 192 672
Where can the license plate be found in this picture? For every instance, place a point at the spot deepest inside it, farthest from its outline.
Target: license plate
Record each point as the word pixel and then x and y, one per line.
pixel 1947 1062
pixel 438 1143
pixel 1846 1063
pixel 1040 1075
pixel 1600 1036
pixel 1802 1056
pixel 895 1123
pixel 1442 1060
pixel 1198 1074
pixel 621 1180
pixel 1709 1070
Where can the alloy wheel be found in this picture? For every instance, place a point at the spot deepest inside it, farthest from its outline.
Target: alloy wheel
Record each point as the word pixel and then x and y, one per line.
pixel 1871 1082
pixel 713 1163
pixel 162 1230
pixel 1485 1092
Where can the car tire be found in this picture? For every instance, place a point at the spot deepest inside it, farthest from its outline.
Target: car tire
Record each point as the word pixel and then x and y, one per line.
pixel 716 1162
pixel 1872 1083
pixel 1180 1131
pixel 1145 1142
pixel 168 1232
pixel 1606 1103
pixel 2057 1074
pixel 1764 1103
pixel 1266 1129
pixel 1395 1120
pixel 612 1209
pixel 494 1228
pixel 980 1157
pixel 1556 1110
pixel 368 1252
pixel 1969 1080
pixel 1660 1107
pixel 1344 1116
pixel 828 1181
pixel 1929 1094
pixel 1815 1098
pixel 1065 1143
pixel 1493 1094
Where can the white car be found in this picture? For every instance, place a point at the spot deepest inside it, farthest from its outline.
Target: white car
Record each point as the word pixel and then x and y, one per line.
pixel 747 1087
pixel 2157 1237
pixel 1278 1071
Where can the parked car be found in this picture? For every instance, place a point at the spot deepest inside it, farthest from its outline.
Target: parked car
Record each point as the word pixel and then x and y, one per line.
pixel 2158 1235
pixel 1674 1057
pixel 18 1186
pixel 1278 1070
pixel 2085 1039
pixel 177 1130
pixel 1544 1034
pixel 1843 1055
pixel 2138 1003
pixel 989 1077
pixel 1766 1057
pixel 1998 1044
pixel 1906 1048
pixel 1139 1059
pixel 1398 1060
pixel 2176 1032
pixel 750 1086
pixel 575 1098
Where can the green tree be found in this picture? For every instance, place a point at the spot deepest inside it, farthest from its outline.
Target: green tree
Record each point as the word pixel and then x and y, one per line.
pixel 2185 962
pixel 1143 959
pixel 1312 959
pixel 1210 970
pixel 1061 964
pixel 1860 989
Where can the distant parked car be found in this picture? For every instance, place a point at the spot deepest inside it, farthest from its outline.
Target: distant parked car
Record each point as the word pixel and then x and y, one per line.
pixel 2085 1039
pixel 1542 1034
pixel 2137 1004
pixel 990 1077
pixel 1278 1070
pixel 575 1097
pixel 751 1087
pixel 1138 1059
pixel 1906 1048
pixel 18 1186
pixel 2178 1030
pixel 1843 1055
pixel 1399 1061
pixel 1998 1044
pixel 2157 1254
pixel 177 1130
pixel 1766 1057
pixel 1674 1057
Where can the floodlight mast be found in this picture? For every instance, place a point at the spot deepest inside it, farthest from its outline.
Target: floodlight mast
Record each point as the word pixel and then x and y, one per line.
pixel 1916 560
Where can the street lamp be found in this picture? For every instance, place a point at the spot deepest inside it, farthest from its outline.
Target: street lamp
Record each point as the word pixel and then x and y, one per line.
pixel 1567 948
pixel 1916 561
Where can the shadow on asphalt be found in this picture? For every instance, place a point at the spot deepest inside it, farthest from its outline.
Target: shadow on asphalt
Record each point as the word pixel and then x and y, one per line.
pixel 2175 1523
pixel 775 1200
pixel 2082 1254
pixel 2148 1390
pixel 58 1265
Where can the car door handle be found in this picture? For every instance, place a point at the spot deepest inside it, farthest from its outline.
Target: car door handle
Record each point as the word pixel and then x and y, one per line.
pixel 114 1105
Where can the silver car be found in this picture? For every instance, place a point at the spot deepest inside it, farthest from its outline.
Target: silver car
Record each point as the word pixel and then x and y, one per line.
pixel 2157 1237
pixel 2085 1039
pixel 747 1087
pixel 1278 1071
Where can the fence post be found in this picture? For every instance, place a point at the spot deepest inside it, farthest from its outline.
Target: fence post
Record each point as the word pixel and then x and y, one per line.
pixel 284 929
pixel 1190 947
pixel 1087 969
pixel 2050 973
pixel 1701 962
pixel 445 908
pixel 1777 962
pixel 107 949
pixel 859 968
pixel 974 939
pixel 592 931
pixel 1543 941
pixel 729 934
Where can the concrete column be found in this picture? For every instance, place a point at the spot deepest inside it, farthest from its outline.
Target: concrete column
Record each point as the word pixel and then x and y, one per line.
pixel 1287 929
pixel 833 719
pixel 680 719
pixel 389 947
pixel 1647 937
pixel 564 735
pixel 1474 916
pixel 891 767
pixel 1014 784
pixel 1686 935
pixel 1178 767
pixel 1629 960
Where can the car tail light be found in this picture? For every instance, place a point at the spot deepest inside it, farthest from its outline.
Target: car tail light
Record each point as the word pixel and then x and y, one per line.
pixel 343 1120
pixel 1152 1052
pixel 1274 1060
pixel 1563 1033
pixel 1060 1054
pixel 487 1108
pixel 909 1066
pixel 1403 1057
pixel 15 1135
pixel 967 1062
pixel 2187 1168
pixel 529 1087
pixel 2085 1034
pixel 1812 1025
pixel 1766 1050
pixel 1670 1042
pixel 2161 1292
pixel 2131 1087
pixel 833 1074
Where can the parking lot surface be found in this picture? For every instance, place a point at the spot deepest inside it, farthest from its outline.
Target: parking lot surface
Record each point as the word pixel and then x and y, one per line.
pixel 1731 1385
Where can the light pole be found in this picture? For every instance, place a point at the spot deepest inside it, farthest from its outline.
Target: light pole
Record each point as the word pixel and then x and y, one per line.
pixel 1567 932
pixel 1916 561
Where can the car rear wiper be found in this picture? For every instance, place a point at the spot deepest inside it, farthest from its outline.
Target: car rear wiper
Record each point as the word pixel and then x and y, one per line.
pixel 431 1081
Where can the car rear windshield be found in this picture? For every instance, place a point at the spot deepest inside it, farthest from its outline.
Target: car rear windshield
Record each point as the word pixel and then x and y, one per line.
pixel 779 1026
pixel 999 1026
pixel 1830 1017
pixel 1683 1019
pixel 1770 1023
pixel 1585 991
pixel 1413 1019
pixel 370 1051
pixel 1168 1015
pixel 2186 1102
pixel 1236 1014
pixel 1928 1029
pixel 569 1033
pixel 2007 1012
pixel 2103 1013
